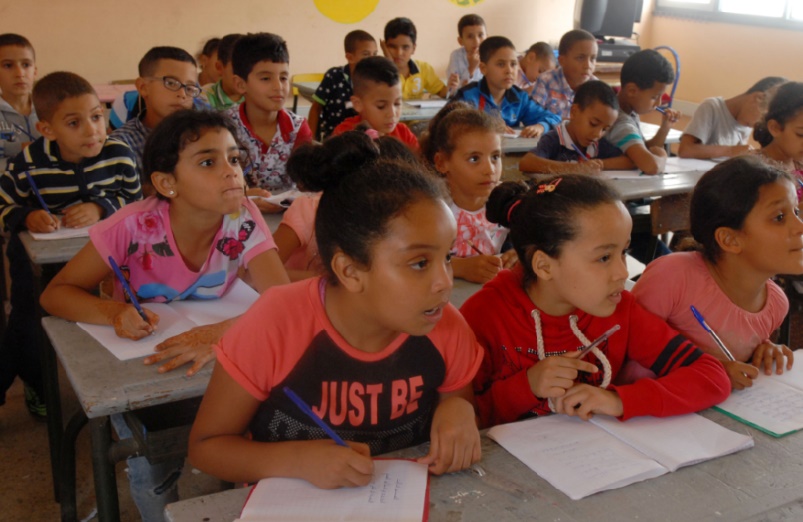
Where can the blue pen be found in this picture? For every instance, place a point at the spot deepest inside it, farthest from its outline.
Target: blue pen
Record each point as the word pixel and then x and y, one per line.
pixel 713 334
pixel 661 110
pixel 127 289
pixel 311 414
pixel 583 157
pixel 36 192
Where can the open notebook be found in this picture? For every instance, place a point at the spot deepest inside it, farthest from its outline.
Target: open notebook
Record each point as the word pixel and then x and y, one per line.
pixel 582 458
pixel 62 233
pixel 175 318
pixel 774 404
pixel 398 493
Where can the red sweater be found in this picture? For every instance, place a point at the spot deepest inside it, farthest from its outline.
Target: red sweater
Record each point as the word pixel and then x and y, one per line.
pixel 687 380
pixel 401 132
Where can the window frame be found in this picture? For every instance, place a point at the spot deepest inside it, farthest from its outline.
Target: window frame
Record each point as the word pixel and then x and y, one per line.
pixel 709 12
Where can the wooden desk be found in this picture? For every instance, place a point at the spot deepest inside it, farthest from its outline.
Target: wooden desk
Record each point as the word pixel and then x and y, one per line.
pixel 762 483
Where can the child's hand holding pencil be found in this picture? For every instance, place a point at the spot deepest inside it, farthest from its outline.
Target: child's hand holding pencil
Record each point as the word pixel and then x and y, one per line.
pixel 129 323
pixel 42 221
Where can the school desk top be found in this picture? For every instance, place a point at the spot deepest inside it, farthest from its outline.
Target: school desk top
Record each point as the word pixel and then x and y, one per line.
pixel 762 483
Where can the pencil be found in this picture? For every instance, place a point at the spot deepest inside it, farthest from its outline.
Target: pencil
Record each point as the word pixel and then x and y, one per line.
pixel 311 414
pixel 127 289
pixel 582 154
pixel 474 247
pixel 36 192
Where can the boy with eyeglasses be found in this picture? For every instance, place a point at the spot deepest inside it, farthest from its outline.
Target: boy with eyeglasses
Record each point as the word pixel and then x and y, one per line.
pixel 261 66
pixel 168 82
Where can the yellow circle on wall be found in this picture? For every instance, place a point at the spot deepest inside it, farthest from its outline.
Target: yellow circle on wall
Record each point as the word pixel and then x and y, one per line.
pixel 346 11
pixel 466 3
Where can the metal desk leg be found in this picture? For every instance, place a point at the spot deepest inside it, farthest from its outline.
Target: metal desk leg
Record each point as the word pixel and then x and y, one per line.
pixel 55 426
pixel 100 430
pixel 69 508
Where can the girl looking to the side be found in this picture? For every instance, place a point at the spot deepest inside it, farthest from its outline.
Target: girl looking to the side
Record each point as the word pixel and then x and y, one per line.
pixel 744 220
pixel 374 347
pixel 464 146
pixel 571 234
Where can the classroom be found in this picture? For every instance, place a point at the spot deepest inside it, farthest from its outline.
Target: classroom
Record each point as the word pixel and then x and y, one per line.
pixel 719 54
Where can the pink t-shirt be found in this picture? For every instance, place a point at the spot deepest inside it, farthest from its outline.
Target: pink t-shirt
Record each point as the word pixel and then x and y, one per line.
pixel 672 284
pixel 140 240
pixel 300 217
pixel 385 399
pixel 473 226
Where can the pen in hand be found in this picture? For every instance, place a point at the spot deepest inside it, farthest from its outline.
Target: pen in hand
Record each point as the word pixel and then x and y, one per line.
pixel 127 289
pixel 311 414
pixel 713 334
pixel 599 340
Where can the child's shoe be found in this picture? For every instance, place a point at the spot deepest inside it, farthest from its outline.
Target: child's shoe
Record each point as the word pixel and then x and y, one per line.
pixel 35 404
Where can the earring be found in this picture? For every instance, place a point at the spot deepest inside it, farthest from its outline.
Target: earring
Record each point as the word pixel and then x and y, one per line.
pixel 172 192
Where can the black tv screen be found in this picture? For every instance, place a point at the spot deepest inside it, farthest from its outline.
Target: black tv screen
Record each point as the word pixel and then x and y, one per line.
pixel 607 17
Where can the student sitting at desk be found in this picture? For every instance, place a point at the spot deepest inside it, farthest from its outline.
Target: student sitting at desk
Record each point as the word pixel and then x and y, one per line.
pixel 17 113
pixel 167 82
pixel 496 92
pixel 644 77
pixel 378 101
pixel 295 237
pixel 223 94
pixel 374 346
pixel 187 242
pixel 464 63
pixel 577 58
pixel 464 146
pixel 779 132
pixel 720 128
pixel 39 192
pixel 261 65
pixel 331 103
pixel 574 146
pixel 571 234
pixel 417 77
pixel 537 60
pixel 745 224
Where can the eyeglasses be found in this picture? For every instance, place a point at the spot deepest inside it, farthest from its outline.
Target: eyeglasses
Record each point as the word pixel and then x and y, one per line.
pixel 172 84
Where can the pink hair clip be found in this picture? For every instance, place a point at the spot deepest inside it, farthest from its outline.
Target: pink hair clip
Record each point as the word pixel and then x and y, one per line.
pixel 548 187
pixel 510 210
pixel 372 133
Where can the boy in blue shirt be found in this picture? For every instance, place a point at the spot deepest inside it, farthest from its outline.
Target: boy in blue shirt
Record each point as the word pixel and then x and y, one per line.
pixel 331 103
pixel 82 177
pixel 574 145
pixel 17 114
pixel 496 92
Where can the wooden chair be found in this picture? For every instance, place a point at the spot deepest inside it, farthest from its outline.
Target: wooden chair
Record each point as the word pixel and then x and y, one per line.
pixel 305 77
pixel 669 214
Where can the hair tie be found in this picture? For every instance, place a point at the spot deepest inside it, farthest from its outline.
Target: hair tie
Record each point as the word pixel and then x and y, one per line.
pixel 510 210
pixel 372 133
pixel 548 187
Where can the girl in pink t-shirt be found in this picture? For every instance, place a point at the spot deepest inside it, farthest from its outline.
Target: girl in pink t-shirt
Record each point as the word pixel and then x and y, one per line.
pixel 744 218
pixel 464 145
pixel 187 242
pixel 295 237
pixel 373 346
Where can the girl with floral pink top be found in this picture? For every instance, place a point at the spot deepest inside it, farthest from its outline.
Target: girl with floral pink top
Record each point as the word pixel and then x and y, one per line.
pixel 465 147
pixel 190 241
